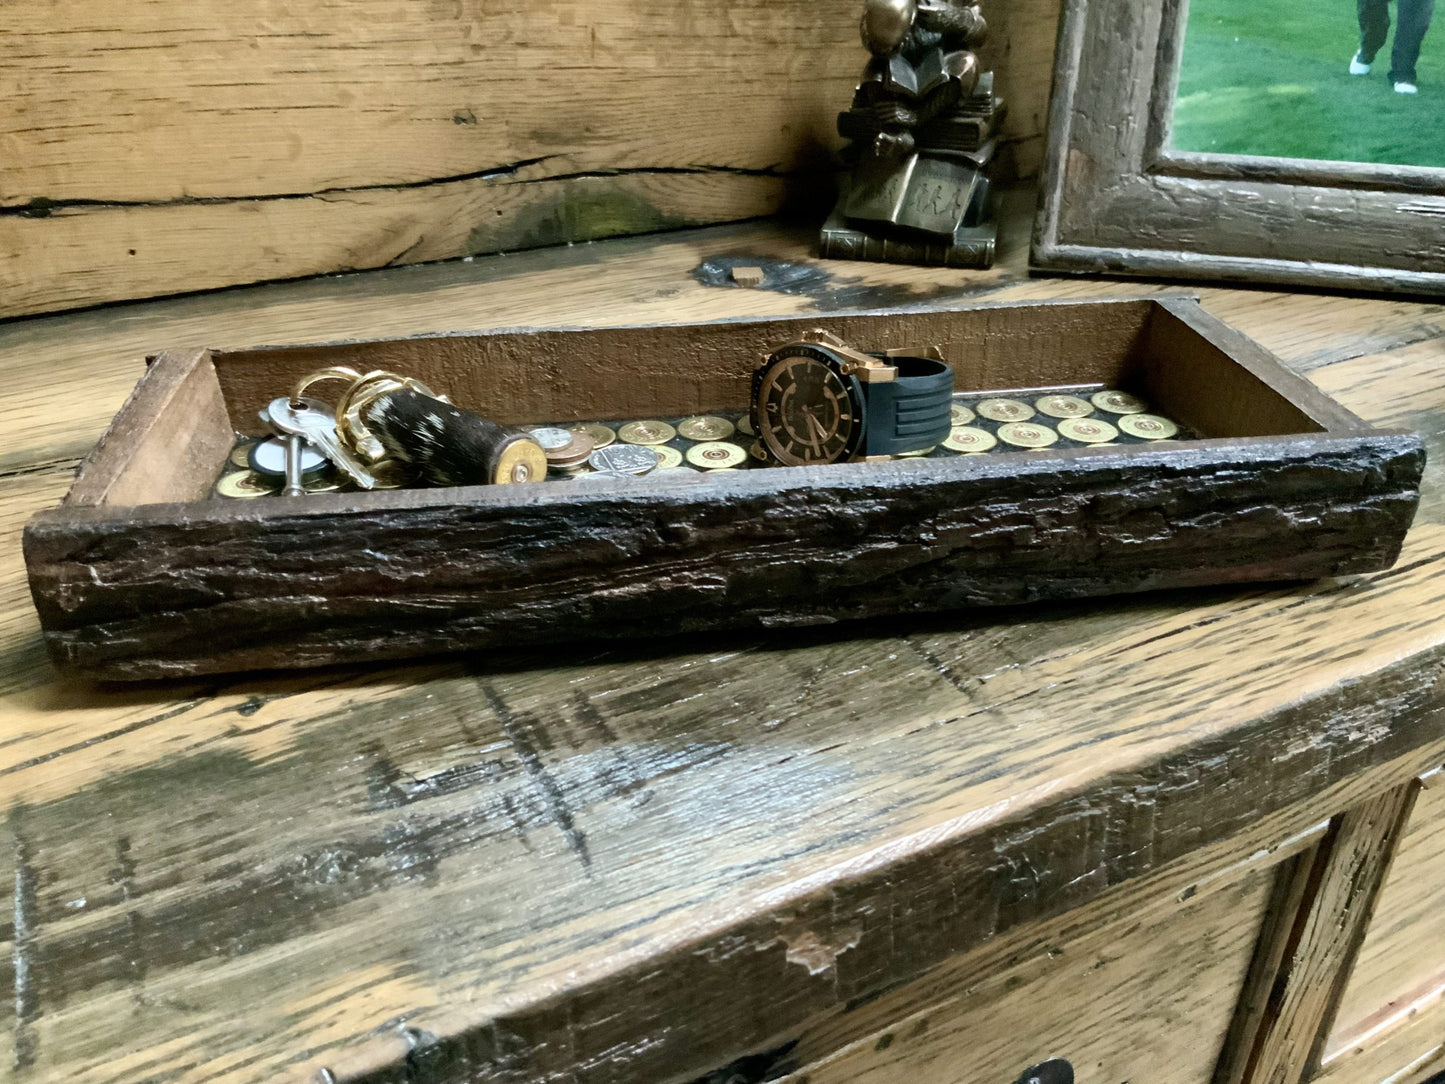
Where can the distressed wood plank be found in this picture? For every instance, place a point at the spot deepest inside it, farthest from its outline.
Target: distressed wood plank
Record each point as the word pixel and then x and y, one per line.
pixel 1313 948
pixel 1142 998
pixel 158 146
pixel 1400 972
pixel 313 863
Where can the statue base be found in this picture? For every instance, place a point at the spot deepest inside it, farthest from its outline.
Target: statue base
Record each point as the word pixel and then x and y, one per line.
pixel 924 210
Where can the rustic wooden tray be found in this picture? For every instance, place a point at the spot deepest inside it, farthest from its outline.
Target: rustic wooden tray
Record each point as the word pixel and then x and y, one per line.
pixel 137 575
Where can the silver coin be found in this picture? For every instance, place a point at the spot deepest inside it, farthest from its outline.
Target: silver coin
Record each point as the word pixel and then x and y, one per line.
pixel 269 458
pixel 550 437
pixel 624 459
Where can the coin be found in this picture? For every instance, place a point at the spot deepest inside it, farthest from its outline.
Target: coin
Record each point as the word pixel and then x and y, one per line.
pixel 916 452
pixel 648 432
pixel 551 437
pixel 1005 410
pixel 1063 406
pixel 323 484
pixel 1027 435
pixel 1087 430
pixel 965 438
pixel 1148 426
pixel 716 455
pixel 1118 402
pixel 623 459
pixel 268 457
pixel 578 447
pixel 706 427
pixel 240 454
pixel 745 426
pixel 667 457
pixel 389 474
pixel 601 435
pixel 245 484
pixel 958 414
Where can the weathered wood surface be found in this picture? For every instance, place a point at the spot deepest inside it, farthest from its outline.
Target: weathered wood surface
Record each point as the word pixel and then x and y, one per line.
pixel 161 591
pixel 644 862
pixel 169 591
pixel 160 146
pixel 1323 905
pixel 1104 984
pixel 1400 973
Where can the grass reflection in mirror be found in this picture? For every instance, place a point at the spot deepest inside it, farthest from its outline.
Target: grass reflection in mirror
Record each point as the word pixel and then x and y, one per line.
pixel 1273 79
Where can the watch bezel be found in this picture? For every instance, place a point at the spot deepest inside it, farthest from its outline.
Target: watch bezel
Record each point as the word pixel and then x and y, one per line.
pixel 841 367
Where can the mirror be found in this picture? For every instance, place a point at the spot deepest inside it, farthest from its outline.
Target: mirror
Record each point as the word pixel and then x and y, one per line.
pixel 1307 80
pixel 1205 139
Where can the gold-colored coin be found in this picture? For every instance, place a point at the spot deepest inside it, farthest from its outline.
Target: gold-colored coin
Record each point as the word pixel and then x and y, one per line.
pixel 241 453
pixel 745 426
pixel 648 432
pixel 389 474
pixel 1148 426
pixel 246 484
pixel 1087 430
pixel 706 427
pixel 1118 402
pixel 716 455
pixel 967 439
pixel 1005 410
pixel 958 414
pixel 1027 435
pixel 326 483
pixel 601 435
pixel 667 458
pixel 915 453
pixel 1063 406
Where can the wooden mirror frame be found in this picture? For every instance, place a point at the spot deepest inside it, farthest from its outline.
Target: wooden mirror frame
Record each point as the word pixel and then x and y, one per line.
pixel 1116 200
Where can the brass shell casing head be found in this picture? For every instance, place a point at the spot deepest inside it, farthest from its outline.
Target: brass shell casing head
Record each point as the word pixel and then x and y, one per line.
pixel 885 24
pixel 521 460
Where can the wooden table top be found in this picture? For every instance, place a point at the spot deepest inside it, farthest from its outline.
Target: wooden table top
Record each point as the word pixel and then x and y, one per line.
pixel 622 862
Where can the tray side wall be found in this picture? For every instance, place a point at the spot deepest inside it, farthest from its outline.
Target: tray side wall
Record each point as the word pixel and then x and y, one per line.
pixel 673 370
pixel 337 582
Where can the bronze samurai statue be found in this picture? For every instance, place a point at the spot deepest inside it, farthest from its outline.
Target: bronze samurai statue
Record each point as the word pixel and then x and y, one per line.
pixel 922 129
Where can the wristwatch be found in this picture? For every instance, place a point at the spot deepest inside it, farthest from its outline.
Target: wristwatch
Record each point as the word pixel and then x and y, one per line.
pixel 820 401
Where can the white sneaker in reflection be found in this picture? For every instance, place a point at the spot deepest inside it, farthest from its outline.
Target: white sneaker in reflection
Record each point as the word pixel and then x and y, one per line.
pixel 1406 88
pixel 1358 66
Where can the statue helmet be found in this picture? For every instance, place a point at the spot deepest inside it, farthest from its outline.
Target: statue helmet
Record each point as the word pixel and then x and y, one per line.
pixel 886 23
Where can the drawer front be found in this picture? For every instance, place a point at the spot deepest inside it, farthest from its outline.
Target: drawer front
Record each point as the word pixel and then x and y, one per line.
pixel 1392 1015
pixel 1145 998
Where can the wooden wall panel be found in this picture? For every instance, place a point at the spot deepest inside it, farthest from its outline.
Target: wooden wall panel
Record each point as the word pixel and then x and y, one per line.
pixel 157 146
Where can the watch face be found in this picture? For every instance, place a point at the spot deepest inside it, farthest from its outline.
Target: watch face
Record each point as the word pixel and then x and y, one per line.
pixel 807 411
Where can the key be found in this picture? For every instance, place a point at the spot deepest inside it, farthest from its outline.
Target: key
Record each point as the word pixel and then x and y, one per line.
pixel 293 487
pixel 309 419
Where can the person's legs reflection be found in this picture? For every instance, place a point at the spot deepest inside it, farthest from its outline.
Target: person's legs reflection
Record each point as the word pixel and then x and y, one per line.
pixel 1374 18
pixel 1413 20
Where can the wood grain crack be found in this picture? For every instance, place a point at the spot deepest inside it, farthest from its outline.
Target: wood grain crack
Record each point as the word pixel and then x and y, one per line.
pixel 41 207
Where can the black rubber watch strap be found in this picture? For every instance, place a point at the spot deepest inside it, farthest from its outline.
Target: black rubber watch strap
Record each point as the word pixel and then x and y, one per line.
pixel 910 412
